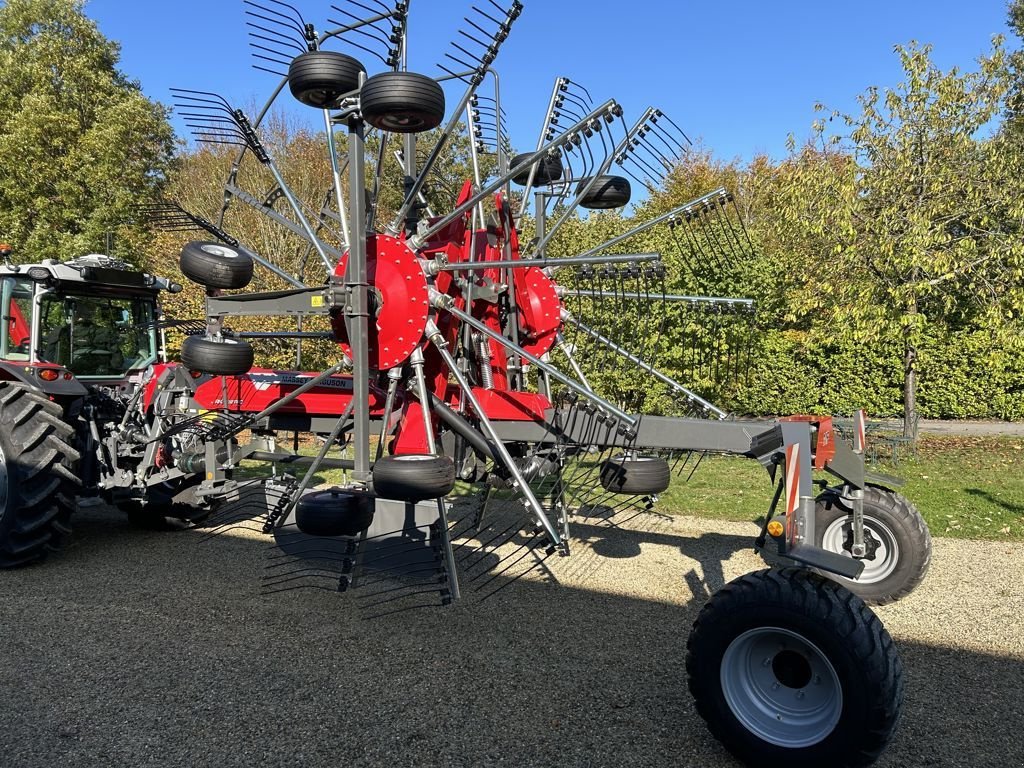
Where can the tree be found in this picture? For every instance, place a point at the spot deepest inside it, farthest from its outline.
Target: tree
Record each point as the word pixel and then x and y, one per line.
pixel 922 220
pixel 80 146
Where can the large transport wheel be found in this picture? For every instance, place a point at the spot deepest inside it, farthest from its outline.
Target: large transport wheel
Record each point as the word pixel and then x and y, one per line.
pixel 214 265
pixel 413 477
pixel 791 669
pixel 37 476
pixel 899 545
pixel 639 475
pixel 549 169
pixel 607 192
pixel 402 102
pixel 320 78
pixel 334 512
pixel 230 357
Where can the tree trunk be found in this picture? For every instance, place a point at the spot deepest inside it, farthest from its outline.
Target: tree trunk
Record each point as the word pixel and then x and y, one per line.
pixel 909 383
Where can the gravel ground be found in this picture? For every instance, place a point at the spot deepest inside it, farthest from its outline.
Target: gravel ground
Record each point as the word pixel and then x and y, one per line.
pixel 152 649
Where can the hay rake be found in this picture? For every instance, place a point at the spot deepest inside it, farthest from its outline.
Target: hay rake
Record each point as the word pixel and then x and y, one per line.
pixel 559 384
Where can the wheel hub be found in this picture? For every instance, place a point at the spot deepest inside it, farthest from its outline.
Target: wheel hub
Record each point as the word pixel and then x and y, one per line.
pixel 781 687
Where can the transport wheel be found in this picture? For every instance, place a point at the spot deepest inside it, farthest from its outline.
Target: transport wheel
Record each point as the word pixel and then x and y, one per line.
pixel 608 192
pixel 549 169
pixel 37 476
pixel 230 357
pixel 334 512
pixel 899 545
pixel 214 265
pixel 320 78
pixel 636 475
pixel 791 669
pixel 402 102
pixel 413 477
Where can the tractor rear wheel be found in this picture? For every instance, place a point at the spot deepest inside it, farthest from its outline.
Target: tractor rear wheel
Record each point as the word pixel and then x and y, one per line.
pixel 37 476
pixel 899 545
pixel 791 669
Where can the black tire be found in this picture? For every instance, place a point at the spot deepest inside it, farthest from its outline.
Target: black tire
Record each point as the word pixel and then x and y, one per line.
pixel 549 169
pixel 413 477
pixel 231 357
pixel 791 669
pixel 334 513
pixel 635 475
pixel 37 476
pixel 320 78
pixel 607 192
pixel 402 102
pixel 215 265
pixel 899 544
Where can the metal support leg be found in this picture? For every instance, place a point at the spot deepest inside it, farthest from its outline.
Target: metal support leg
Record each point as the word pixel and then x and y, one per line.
pixel 437 339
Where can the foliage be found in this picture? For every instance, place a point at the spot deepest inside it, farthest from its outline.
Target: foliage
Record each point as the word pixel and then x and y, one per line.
pixel 80 146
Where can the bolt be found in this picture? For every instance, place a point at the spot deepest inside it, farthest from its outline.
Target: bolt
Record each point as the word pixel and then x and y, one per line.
pixel 799 694
pixel 775 686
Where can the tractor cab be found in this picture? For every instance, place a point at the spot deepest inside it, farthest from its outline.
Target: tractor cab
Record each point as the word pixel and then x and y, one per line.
pixel 93 317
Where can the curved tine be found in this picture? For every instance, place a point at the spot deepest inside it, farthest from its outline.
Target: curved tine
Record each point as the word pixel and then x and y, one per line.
pixel 728 233
pixel 458 61
pixel 674 125
pixel 269 20
pixel 380 37
pixel 277 58
pixel 278 40
pixel 471 55
pixel 363 48
pixel 668 139
pixel 590 99
pixel 296 22
pixel 217 99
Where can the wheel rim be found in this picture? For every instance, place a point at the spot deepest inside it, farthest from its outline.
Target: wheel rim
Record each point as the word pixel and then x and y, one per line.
pixel 220 250
pixel 838 537
pixel 3 482
pixel 781 687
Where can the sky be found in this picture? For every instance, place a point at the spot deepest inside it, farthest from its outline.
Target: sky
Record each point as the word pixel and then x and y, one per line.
pixel 739 77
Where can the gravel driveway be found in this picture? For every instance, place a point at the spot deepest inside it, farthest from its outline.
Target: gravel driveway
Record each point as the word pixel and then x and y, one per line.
pixel 150 649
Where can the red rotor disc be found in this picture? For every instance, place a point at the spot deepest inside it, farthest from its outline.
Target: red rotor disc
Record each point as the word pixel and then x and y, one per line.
pixel 540 310
pixel 395 275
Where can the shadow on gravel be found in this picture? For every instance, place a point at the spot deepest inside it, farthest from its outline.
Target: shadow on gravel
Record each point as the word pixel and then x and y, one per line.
pixel 144 649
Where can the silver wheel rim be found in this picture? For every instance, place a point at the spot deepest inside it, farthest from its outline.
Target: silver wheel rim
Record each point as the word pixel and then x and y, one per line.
pixel 887 553
pixel 413 457
pixel 3 482
pixel 220 250
pixel 781 687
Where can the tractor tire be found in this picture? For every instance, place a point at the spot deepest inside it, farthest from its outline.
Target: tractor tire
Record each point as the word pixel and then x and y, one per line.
pixel 899 544
pixel 334 513
pixel 640 475
pixel 320 78
pixel 791 669
pixel 37 476
pixel 549 169
pixel 607 192
pixel 402 102
pixel 214 265
pixel 231 357
pixel 413 477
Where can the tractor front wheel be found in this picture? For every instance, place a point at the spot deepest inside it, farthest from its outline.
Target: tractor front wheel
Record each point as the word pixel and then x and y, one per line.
pixel 37 476
pixel 791 669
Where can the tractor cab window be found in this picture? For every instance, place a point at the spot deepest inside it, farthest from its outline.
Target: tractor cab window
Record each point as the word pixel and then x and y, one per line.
pixel 97 335
pixel 16 312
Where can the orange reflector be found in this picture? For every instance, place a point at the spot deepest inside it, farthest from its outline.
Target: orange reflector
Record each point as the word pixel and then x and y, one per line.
pixel 49 374
pixel 776 529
